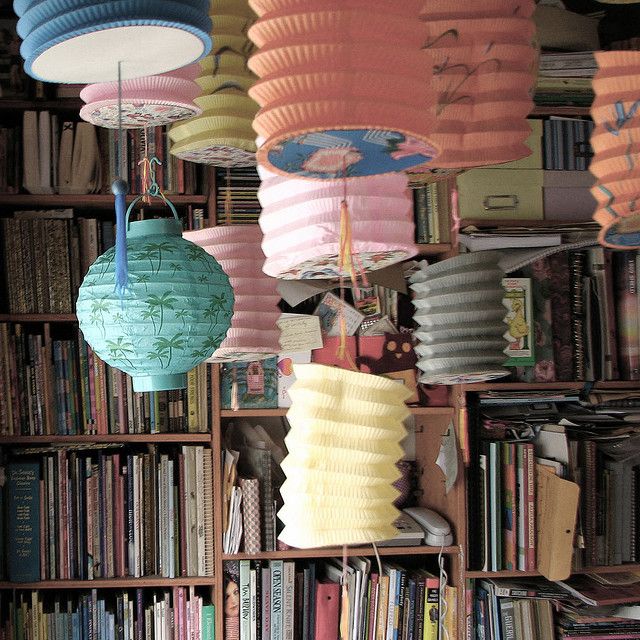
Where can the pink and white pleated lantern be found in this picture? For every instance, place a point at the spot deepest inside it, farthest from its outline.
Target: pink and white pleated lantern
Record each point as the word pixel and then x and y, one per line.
pixel 150 101
pixel 254 333
pixel 301 223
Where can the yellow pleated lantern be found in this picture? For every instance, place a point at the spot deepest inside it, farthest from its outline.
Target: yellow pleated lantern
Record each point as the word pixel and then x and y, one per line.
pixel 222 135
pixel 616 146
pixel 343 445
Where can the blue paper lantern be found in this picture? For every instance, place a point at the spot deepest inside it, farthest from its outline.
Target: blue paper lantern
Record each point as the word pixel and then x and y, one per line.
pixel 83 40
pixel 174 314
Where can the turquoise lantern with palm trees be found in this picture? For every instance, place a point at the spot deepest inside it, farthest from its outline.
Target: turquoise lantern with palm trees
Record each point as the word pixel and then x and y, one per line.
pixel 173 314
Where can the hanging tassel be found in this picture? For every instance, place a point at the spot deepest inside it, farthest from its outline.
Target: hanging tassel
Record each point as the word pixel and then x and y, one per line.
pixel 119 189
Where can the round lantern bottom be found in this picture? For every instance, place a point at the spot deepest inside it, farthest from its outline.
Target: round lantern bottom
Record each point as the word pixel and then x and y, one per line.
pixel 160 382
pixel 336 153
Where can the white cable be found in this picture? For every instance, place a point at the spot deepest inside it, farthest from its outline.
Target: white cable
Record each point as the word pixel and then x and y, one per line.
pixel 444 578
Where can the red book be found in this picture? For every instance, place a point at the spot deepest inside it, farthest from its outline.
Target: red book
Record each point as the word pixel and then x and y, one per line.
pixel 530 514
pixel 626 298
pixel 327 616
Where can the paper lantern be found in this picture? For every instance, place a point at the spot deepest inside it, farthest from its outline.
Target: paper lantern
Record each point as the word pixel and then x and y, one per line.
pixel 459 312
pixel 301 223
pixel 84 40
pixel 254 333
pixel 616 144
pixel 174 314
pixel 481 61
pixel 150 101
pixel 342 90
pixel 222 135
pixel 343 447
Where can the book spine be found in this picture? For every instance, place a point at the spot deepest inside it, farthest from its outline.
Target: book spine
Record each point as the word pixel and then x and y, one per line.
pixel 509 522
pixel 245 600
pixel 530 493
pixel 288 599
pixel 277 595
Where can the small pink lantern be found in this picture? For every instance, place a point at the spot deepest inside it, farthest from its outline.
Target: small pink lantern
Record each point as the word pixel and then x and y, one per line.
pixel 146 102
pixel 254 333
pixel 301 222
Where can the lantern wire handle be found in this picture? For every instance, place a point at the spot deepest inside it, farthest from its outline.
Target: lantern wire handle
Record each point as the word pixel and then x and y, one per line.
pixel 119 188
pixel 455 219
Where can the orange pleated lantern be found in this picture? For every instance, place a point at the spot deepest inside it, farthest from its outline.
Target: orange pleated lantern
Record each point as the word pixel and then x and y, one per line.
pixel 342 89
pixel 481 61
pixel 616 145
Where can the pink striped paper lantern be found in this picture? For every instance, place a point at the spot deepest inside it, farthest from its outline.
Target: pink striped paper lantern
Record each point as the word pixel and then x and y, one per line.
pixel 341 90
pixel 300 220
pixel 149 101
pixel 254 333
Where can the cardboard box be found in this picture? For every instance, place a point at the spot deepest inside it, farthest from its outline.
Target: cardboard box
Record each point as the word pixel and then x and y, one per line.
pixel 567 195
pixel 286 377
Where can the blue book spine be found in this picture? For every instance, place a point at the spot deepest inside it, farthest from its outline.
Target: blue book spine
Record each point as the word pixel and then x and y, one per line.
pixel 23 521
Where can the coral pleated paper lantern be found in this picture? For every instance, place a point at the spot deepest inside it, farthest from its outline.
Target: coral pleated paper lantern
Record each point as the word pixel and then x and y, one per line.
pixel 342 89
pixel 254 333
pixel 481 61
pixel 460 315
pixel 173 315
pixel 222 135
pixel 304 232
pixel 343 446
pixel 616 145
pixel 85 40
pixel 150 101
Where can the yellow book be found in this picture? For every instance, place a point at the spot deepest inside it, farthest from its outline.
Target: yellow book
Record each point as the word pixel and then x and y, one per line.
pixel 450 616
pixel 383 604
pixel 192 401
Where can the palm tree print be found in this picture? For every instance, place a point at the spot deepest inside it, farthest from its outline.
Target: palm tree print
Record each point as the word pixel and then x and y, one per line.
pixel 165 346
pixel 106 259
pixel 147 254
pixel 175 266
pixel 152 314
pixel 154 355
pixel 157 248
pixel 118 350
pixel 165 301
pixel 208 347
pixel 98 308
pixel 143 278
pixel 197 254
pixel 213 310
pixel 183 314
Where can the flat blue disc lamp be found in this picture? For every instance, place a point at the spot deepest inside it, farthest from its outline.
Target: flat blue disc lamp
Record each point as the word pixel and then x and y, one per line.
pixel 82 41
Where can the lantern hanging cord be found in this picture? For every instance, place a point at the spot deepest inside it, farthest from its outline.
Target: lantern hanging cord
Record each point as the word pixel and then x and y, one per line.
pixel 119 188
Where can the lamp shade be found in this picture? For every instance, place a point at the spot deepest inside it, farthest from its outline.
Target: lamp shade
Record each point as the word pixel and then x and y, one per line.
pixel 145 102
pixel 301 223
pixel 222 135
pixel 481 61
pixel 459 312
pixel 174 315
pixel 616 142
pixel 343 446
pixel 84 40
pixel 319 95
pixel 253 333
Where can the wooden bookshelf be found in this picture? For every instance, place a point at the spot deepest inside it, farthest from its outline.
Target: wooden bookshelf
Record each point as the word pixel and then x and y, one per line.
pixel 38 317
pixel 551 386
pixel 619 568
pixel 282 411
pixel 113 583
pixel 90 200
pixel 433 249
pixel 115 438
pixel 561 110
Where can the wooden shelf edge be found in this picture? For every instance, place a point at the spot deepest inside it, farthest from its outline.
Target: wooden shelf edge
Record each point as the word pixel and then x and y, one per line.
pixel 331 552
pixel 98 200
pixel 433 249
pixel 116 438
pixel 560 110
pixel 432 411
pixel 510 222
pixel 38 317
pixel 548 386
pixel 112 583
pixel 618 568
pixel 282 411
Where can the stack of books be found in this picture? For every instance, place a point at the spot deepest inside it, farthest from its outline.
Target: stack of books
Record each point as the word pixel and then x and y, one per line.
pixel 565 78
pixel 237 196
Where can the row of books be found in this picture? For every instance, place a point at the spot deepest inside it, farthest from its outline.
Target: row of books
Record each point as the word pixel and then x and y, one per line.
pixel 181 614
pixel 60 386
pixel 585 316
pixel 524 437
pixel 432 209
pixel 78 514
pixel 45 255
pixel 565 144
pixel 312 601
pixel 77 158
pixel 536 608
pixel 237 195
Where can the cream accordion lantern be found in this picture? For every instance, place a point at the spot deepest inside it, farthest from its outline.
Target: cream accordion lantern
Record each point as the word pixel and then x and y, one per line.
pixel 343 446
pixel 616 145
pixel 254 333
pixel 342 89
pixel 481 61
pixel 150 101
pixel 222 135
pixel 173 314
pixel 87 41
pixel 460 313
pixel 304 233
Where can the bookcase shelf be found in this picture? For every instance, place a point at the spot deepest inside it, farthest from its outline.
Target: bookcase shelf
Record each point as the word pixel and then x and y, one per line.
pixel 115 438
pixel 560 110
pixel 93 200
pixel 38 317
pixel 60 104
pixel 485 222
pixel 550 386
pixel 113 583
pixel 331 552
pixel 282 411
pixel 619 568
pixel 433 249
